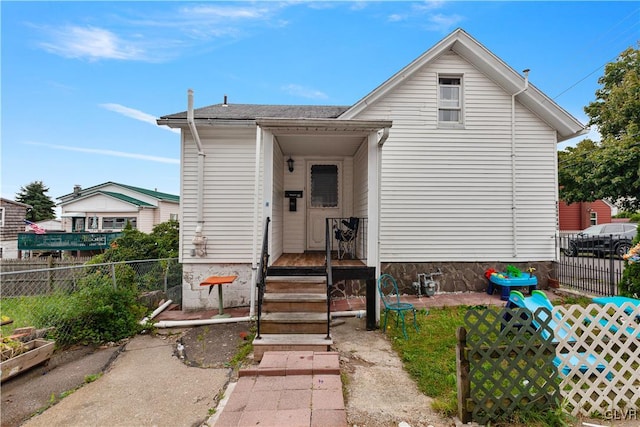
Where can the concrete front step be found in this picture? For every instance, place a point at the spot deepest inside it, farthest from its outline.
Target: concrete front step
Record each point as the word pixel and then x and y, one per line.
pixel 293 323
pixel 292 302
pixel 290 342
pixel 304 284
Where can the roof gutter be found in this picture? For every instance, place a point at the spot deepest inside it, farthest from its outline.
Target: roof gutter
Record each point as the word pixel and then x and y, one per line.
pixel 514 214
pixel 199 240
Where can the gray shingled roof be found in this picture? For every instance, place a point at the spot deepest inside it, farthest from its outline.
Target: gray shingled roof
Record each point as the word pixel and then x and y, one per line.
pixel 254 111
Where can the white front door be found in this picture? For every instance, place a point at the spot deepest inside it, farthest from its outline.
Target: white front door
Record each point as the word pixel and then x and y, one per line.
pixel 324 181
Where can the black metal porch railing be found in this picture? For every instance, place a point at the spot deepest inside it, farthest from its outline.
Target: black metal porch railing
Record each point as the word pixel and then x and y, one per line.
pixel 348 237
pixel 327 239
pixel 591 265
pixel 262 273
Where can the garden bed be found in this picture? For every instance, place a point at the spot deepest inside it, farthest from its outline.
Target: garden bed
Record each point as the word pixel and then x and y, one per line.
pixel 32 353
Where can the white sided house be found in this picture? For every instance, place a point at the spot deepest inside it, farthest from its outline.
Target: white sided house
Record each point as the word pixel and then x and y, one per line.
pixel 109 206
pixel 450 164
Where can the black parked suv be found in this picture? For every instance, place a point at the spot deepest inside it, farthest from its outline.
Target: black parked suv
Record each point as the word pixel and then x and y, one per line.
pixel 603 239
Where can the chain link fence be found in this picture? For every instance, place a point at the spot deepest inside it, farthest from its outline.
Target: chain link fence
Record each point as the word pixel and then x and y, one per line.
pixel 28 297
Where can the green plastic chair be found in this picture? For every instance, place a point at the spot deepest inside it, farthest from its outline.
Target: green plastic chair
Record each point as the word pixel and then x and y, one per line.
pixel 390 296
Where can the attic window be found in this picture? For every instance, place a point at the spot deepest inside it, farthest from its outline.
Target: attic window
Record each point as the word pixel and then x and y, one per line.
pixel 450 100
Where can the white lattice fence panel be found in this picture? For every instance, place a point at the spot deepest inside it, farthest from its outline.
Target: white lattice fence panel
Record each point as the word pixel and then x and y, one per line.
pixel 598 357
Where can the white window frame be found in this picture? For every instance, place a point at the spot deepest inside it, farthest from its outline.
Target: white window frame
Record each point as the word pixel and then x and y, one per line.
pixel 593 218
pixel 2 217
pixel 173 217
pixel 446 104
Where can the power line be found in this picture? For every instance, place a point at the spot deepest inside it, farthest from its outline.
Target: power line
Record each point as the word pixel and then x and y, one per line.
pixel 593 43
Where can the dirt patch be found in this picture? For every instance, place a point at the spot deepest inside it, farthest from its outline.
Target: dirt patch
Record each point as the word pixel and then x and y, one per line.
pixel 212 346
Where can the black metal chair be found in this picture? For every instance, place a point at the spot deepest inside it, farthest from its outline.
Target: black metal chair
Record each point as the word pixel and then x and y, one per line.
pixel 346 235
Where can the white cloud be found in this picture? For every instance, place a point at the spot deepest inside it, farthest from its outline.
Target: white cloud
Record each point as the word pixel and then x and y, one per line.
pixel 91 43
pixel 227 12
pixel 443 23
pixel 305 92
pixel 438 22
pixel 137 115
pixel 112 153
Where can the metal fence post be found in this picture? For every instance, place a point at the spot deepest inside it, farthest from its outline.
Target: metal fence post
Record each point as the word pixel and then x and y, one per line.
pixel 166 276
pixel 113 276
pixel 612 273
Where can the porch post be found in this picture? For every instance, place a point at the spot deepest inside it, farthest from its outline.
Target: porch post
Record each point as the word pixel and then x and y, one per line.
pixel 373 214
pixel 256 225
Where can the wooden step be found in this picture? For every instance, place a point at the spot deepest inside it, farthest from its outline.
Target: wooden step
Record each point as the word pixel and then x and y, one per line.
pixel 303 284
pixel 293 323
pixel 290 342
pixel 291 302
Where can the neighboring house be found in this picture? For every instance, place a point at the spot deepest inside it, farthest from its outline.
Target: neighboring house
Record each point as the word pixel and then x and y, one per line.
pixel 109 206
pixel 575 217
pixel 12 216
pixel 451 163
pixel 48 225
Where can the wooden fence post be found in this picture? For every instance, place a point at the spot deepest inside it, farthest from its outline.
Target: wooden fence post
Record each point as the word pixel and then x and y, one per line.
pixel 463 380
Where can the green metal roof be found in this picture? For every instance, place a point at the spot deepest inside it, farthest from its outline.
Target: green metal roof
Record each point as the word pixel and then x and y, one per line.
pixel 127 199
pixel 156 194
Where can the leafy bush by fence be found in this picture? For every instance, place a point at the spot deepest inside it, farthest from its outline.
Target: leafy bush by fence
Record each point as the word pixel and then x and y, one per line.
pixel 91 303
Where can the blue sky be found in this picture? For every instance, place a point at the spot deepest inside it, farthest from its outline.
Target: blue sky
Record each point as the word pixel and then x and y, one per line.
pixel 82 82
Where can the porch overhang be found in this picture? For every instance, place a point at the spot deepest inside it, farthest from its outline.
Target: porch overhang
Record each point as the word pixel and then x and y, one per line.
pixel 325 126
pixel 323 136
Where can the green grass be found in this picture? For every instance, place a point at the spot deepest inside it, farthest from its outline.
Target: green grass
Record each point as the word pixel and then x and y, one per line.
pixel 430 355
pixel 23 310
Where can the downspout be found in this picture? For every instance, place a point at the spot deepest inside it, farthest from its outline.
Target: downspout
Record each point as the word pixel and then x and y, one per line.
pixel 514 214
pixel 199 241
pixel 254 249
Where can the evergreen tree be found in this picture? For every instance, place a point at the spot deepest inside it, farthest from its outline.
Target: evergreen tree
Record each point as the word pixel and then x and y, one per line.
pixel 35 194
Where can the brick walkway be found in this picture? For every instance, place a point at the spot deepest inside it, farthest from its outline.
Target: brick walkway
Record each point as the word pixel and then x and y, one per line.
pixel 287 388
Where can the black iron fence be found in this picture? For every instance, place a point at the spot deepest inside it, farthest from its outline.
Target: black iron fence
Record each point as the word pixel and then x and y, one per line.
pixel 591 264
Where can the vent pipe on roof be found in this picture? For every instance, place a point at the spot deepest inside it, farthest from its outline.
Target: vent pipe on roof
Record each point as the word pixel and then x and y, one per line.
pixel 224 103
pixel 514 189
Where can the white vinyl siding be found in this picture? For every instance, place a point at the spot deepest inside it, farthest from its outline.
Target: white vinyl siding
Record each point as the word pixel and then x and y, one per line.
pixel 277 233
pixel 360 182
pixel 228 208
pixel 446 193
pixel 146 220
pixel 294 232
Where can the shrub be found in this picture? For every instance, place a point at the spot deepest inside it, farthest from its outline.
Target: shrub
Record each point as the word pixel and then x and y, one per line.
pixel 630 283
pixel 97 313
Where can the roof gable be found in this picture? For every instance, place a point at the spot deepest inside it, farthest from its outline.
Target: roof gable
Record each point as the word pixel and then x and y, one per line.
pixel 97 188
pixel 494 68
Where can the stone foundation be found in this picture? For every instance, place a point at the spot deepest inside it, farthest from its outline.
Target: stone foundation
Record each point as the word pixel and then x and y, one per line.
pixel 461 276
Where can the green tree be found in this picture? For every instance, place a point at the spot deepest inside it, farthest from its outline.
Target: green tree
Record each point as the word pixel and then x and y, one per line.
pixel 609 169
pixel 167 237
pixel 35 194
pixel 162 242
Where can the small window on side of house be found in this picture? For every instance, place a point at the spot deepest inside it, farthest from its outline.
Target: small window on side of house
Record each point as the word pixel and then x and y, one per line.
pixel 118 223
pixel 173 217
pixel 450 101
pixel 593 218
pixel 1 217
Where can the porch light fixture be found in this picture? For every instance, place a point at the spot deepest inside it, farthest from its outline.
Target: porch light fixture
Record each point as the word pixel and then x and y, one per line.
pixel 290 164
